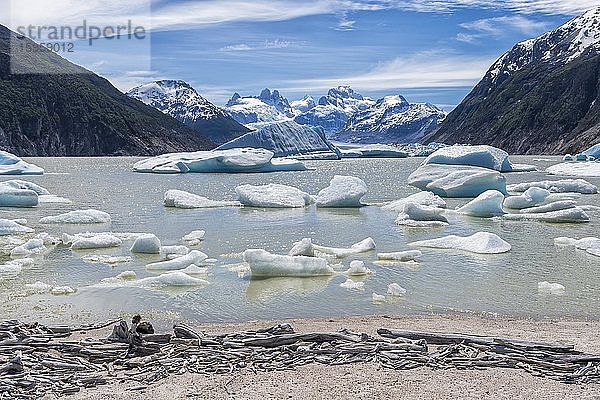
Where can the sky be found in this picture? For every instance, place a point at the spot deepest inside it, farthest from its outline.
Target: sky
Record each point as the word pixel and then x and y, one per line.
pixel 426 50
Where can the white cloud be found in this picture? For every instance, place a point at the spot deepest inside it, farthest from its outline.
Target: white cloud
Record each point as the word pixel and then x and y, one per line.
pixel 424 69
pixel 266 45
pixel 499 26
pixel 345 24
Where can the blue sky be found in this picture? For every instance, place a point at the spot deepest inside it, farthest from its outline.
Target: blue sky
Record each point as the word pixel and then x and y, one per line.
pixel 426 50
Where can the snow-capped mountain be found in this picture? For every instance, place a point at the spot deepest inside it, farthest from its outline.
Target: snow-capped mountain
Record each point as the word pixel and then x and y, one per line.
pixel 287 139
pixel 303 105
pixel 255 111
pixel 333 110
pixel 540 97
pixel 181 101
pixel 391 119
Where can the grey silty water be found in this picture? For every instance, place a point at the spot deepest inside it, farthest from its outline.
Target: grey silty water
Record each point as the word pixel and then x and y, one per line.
pixel 442 281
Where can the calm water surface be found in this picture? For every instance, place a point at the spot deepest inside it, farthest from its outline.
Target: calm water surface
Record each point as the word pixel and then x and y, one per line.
pixel 444 281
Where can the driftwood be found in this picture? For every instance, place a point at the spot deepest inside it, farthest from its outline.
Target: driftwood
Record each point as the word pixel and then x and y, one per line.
pixel 36 360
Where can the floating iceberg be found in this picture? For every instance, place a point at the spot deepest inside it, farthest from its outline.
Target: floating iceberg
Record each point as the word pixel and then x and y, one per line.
pixel 350 284
pixel 246 160
pixel 487 205
pixel 193 269
pixel 303 248
pixel 174 250
pixel 147 244
pixel 554 206
pixel 14 267
pixel 357 268
pixel 416 215
pixel 589 244
pixel 396 290
pixel 18 193
pixel 343 191
pixel 593 151
pixel 401 256
pixel 584 169
pixel 32 246
pixel 457 181
pixel 481 242
pixel 193 257
pixel 53 199
pixel 378 298
pixel 263 263
pixel 62 290
pixel 181 199
pixel 78 217
pixel 475 156
pixel 570 215
pixel 106 259
pixel 194 237
pixel 99 241
pixel 13 165
pixel 423 198
pixel 9 227
pixel 551 288
pixel 561 186
pixel 175 278
pixel 273 196
pixel 361 247
pixel 532 197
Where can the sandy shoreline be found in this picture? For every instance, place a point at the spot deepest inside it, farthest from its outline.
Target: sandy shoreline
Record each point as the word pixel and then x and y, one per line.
pixel 368 381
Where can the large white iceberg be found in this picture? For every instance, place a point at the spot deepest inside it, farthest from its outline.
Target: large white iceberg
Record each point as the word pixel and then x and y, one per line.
pixel 583 169
pixel 78 217
pixel 273 195
pixel 18 193
pixel 456 180
pixel 193 257
pixel 237 160
pixel 416 215
pixel 560 186
pixel 343 191
pixel 487 205
pixel 361 247
pixel 475 156
pixel 423 198
pixel 263 263
pixel 13 165
pixel 570 215
pixel 182 199
pixel 481 242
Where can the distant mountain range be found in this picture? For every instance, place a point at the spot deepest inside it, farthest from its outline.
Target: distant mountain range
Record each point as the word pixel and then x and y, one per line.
pixel 541 97
pixel 182 102
pixel 65 110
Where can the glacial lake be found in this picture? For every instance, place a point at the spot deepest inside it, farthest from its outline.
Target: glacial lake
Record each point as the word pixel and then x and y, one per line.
pixel 443 280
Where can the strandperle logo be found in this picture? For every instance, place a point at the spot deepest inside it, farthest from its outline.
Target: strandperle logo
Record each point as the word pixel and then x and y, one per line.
pixel 85 31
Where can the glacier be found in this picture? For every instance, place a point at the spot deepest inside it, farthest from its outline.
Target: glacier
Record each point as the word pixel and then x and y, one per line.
pixel 245 160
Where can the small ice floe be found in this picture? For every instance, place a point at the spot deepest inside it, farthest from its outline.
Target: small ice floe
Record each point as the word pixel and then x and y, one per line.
pixel 193 269
pixel 194 237
pixel 551 288
pixel 62 290
pixel 554 206
pixel 273 195
pixel 14 267
pixel 182 199
pixel 343 191
pixel 10 164
pixel 457 180
pixel 570 215
pixel 475 156
pixel 378 298
pixel 175 278
pixel 487 205
pixel 170 252
pixel 481 243
pixel 582 169
pixel 78 217
pixel 424 198
pixel 9 227
pixel 416 215
pixel 560 186
pixel 32 246
pixel 146 244
pixel 238 160
pixel 401 256
pixel 123 277
pixel 193 257
pixel 590 244
pixel 395 290
pixel 90 241
pixel 303 248
pixel 38 288
pixel 361 247
pixel 106 259
pixel 357 268
pixel 263 263
pixel 53 199
pixel 350 284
